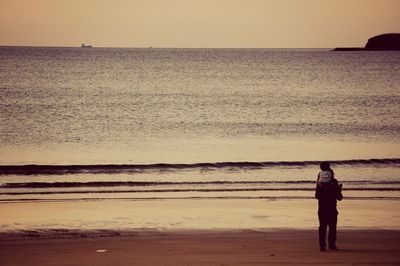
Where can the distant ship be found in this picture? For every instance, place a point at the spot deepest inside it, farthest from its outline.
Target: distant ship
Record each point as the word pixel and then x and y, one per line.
pixel 86 46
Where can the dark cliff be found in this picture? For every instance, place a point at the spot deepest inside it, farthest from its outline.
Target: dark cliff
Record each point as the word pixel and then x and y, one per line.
pixel 385 42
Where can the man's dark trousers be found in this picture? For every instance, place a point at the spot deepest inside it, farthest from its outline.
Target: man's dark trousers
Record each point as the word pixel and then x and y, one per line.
pixel 327 218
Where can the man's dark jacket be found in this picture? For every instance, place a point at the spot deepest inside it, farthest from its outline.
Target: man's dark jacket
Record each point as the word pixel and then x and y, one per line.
pixel 327 196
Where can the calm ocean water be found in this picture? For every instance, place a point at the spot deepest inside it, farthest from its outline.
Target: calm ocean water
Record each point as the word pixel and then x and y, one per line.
pixel 168 115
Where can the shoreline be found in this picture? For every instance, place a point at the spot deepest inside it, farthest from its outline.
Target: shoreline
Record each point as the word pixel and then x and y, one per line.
pixel 192 214
pixel 207 247
pixel 195 232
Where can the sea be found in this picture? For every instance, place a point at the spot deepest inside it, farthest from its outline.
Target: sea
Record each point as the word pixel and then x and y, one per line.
pixel 150 123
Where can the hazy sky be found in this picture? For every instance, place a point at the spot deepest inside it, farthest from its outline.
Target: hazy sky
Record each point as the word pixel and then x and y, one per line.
pixel 196 23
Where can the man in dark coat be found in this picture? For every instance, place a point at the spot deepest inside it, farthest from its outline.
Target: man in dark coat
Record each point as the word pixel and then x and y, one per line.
pixel 328 191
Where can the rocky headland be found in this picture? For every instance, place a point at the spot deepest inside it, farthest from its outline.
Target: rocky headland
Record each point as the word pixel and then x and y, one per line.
pixel 383 42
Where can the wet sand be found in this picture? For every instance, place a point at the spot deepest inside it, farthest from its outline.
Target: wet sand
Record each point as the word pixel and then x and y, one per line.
pixel 191 214
pixel 195 232
pixel 209 247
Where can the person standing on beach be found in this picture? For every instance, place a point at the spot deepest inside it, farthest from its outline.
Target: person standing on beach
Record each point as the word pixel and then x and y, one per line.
pixel 328 191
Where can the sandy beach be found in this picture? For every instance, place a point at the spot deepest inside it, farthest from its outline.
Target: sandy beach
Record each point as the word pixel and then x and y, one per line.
pixel 194 232
pixel 212 247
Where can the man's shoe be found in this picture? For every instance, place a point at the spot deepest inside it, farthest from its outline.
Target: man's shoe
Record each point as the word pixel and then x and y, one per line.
pixel 322 249
pixel 333 248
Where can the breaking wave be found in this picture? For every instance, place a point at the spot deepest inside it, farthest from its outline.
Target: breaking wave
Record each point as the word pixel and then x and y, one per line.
pixel 128 168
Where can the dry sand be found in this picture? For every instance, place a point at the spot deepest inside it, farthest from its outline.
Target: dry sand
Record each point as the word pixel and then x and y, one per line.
pixel 194 247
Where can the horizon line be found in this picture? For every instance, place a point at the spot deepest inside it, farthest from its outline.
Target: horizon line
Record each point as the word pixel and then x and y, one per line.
pixel 159 47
